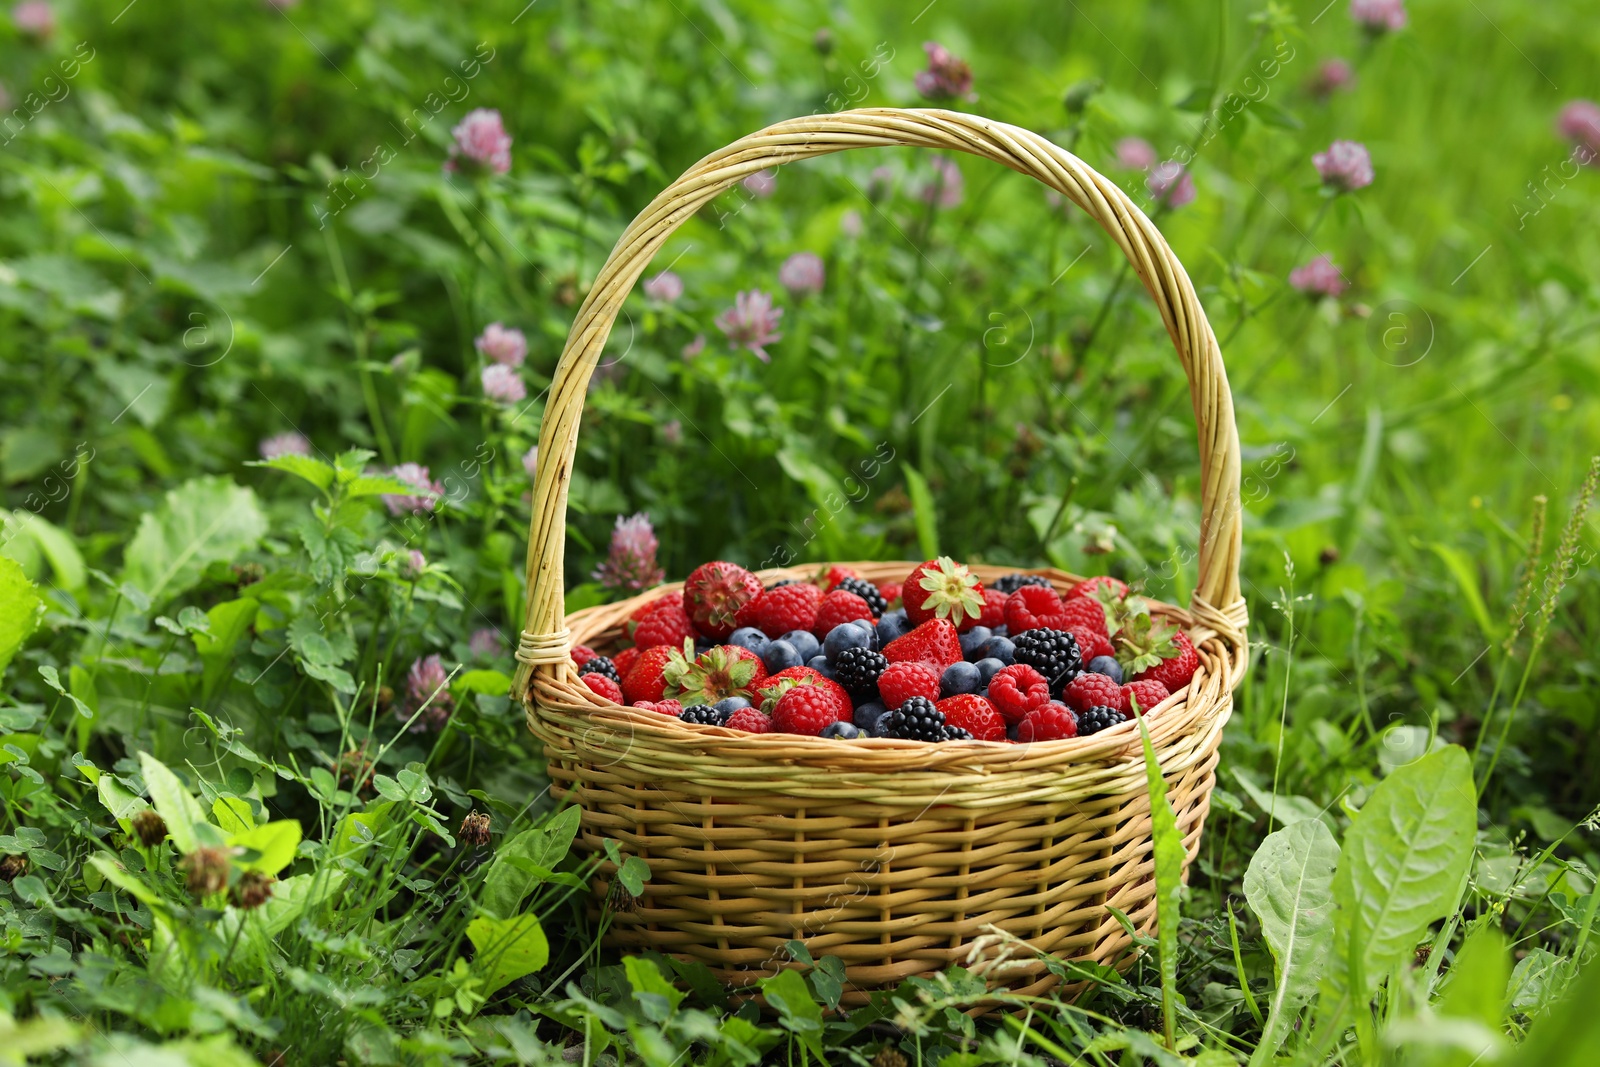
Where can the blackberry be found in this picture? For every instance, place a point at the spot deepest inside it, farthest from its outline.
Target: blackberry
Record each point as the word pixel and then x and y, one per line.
pixel 857 669
pixel 1099 718
pixel 1053 653
pixel 601 665
pixel 705 715
pixel 1012 582
pixel 915 720
pixel 866 591
pixel 786 581
pixel 954 733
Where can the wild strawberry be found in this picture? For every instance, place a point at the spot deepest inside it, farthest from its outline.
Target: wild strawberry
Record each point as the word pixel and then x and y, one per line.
pixel 834 575
pixel 1091 643
pixel 902 681
pixel 933 642
pixel 975 715
pixel 603 686
pixel 666 625
pixel 1017 690
pixel 1177 664
pixel 806 709
pixel 714 593
pixel 1088 586
pixel 994 609
pixel 1086 612
pixel 1092 690
pixel 1146 694
pixel 1053 722
pixel 1034 607
pixel 838 607
pixel 665 707
pixel 750 721
pixel 890 591
pixel 582 654
pixel 624 660
pixel 645 679
pixel 943 589
pixel 716 674
pixel 782 608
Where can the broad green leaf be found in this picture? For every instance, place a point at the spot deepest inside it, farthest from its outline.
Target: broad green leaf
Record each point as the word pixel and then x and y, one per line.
pixel 20 609
pixel 57 546
pixel 493 683
pixel 229 624
pixel 1286 809
pixel 125 880
pixel 172 801
pixel 1467 1030
pixel 1569 1036
pixel 377 485
pixel 1289 887
pixel 521 862
pixel 233 814
pixel 923 511
pixel 1537 982
pixel 276 841
pixel 801 1015
pixel 1168 853
pixel 1403 866
pixel 118 799
pixel 508 949
pixel 1465 572
pixel 658 997
pixel 312 470
pixel 203 521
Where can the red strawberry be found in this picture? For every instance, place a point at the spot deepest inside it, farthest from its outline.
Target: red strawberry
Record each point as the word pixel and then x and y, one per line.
pixel 644 680
pixel 1147 694
pixel 1053 722
pixel 839 606
pixel 1178 663
pixel 1086 612
pixel 890 591
pixel 1091 643
pixel 602 686
pixel 666 625
pixel 714 593
pixel 975 715
pixel 665 707
pixel 1034 607
pixel 994 609
pixel 902 681
pixel 787 607
pixel 943 589
pixel 623 661
pixel 933 642
pixel 775 685
pixel 582 654
pixel 716 674
pixel 836 574
pixel 837 697
pixel 1016 690
pixel 806 709
pixel 1093 690
pixel 1088 586
pixel 750 721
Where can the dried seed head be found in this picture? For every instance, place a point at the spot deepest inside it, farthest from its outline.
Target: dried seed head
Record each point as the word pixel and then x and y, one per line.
pixel 12 867
pixel 475 829
pixel 1561 568
pixel 1530 567
pixel 254 889
pixel 618 899
pixel 149 827
pixel 205 871
pixel 889 1057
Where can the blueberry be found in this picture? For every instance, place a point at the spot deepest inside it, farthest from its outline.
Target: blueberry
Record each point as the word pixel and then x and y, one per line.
pixel 960 678
pixel 844 731
pixel 805 644
pixel 729 705
pixel 871 628
pixel 846 635
pixel 988 667
pixel 821 666
pixel 749 637
pixel 1000 648
pixel 702 645
pixel 1107 666
pixel 1002 631
pixel 972 642
pixel 779 656
pixel 893 624
pixel 868 714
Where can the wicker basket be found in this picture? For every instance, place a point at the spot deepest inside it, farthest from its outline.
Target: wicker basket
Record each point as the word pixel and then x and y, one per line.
pixel 896 857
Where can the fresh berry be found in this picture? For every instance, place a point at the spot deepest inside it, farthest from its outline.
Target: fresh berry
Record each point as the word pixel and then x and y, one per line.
pixel 787 581
pixel 1002 649
pixel 775 681
pixel 933 642
pixel 953 733
pixel 959 678
pixel 774 688
pixel 805 709
pixel 858 669
pixel 603 685
pixel 1087 588
pixel 892 625
pixel 645 679
pixel 666 625
pixel 1176 668
pixel 1012 582
pixel 900 682
pixel 838 607
pixel 1086 612
pixel 780 656
pixel 749 637
pixel 845 636
pixel 582 654
pixel 730 705
pixel 994 608
pixel 1017 690
pixel 749 720
pixel 1053 722
pixel 843 731
pixel 1106 665
pixel 836 575
pixel 1100 718
pixel 714 594
pixel 1053 653
pixel 1146 694
pixel 943 589
pixel 665 707
pixel 644 610
pixel 603 666
pixel 1088 690
pixel 988 667
pixel 977 716
pixel 781 609
pixel 705 715
pixel 821 665
pixel 724 671
pixel 974 641
pixel 890 591
pixel 867 592
pixel 867 715
pixel 805 643
pixel 1033 608
pixel 624 660
pixel 1091 643
pixel 918 719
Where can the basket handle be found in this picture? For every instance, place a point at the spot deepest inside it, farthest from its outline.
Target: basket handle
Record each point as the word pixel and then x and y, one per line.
pixel 1217 604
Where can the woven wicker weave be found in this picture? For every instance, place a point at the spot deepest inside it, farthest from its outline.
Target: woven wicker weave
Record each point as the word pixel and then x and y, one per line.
pixel 894 856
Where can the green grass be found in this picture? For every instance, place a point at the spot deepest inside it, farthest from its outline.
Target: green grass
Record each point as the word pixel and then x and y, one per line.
pixel 217 224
